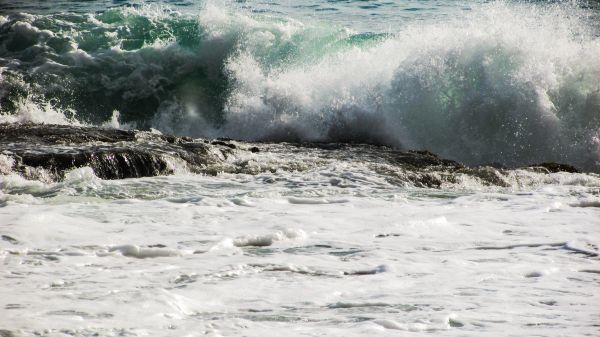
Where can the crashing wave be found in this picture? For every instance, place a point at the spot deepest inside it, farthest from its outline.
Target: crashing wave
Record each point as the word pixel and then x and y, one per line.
pixel 506 82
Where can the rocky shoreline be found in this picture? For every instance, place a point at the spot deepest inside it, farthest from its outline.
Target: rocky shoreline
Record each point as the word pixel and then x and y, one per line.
pixel 47 152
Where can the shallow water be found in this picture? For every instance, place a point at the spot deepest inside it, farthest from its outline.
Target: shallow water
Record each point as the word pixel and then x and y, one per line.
pixel 237 255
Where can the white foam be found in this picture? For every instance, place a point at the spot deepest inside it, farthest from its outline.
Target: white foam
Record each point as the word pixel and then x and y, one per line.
pixel 313 201
pixel 390 259
pixel 432 264
pixel 432 79
pixel 393 325
pixel 6 164
pixel 269 239
pixel 584 247
pixel 30 112
pixel 142 252
pixel 114 121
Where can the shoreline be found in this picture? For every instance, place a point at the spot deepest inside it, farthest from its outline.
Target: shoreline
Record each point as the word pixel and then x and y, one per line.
pixel 49 151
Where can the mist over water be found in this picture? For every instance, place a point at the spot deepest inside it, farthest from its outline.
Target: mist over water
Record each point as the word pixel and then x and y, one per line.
pixel 505 82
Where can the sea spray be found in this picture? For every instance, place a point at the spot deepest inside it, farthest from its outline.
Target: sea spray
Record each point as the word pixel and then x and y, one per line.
pixel 505 82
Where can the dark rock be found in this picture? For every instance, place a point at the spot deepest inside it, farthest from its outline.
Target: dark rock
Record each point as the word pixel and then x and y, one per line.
pixel 42 151
pixel 106 163
pixel 489 175
pixel 112 154
pixel 555 167
pixel 61 134
pixel 427 180
pixel 222 143
pixel 421 159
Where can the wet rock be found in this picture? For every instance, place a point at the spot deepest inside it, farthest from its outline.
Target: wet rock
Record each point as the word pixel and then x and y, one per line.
pixel 428 180
pixel 107 163
pixel 47 152
pixel 425 158
pixel 61 134
pixel 554 168
pixel 112 154
pixel 489 175
pixel 223 143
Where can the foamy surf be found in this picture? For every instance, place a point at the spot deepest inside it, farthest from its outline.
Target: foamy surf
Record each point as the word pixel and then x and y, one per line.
pixel 503 82
pixel 400 167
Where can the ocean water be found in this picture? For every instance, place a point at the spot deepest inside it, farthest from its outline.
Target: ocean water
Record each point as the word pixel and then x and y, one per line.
pixel 314 233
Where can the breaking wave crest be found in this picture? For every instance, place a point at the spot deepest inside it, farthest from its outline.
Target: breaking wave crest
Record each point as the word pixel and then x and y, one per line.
pixel 506 82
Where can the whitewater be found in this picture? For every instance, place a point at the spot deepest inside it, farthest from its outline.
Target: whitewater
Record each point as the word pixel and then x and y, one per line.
pixel 314 168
